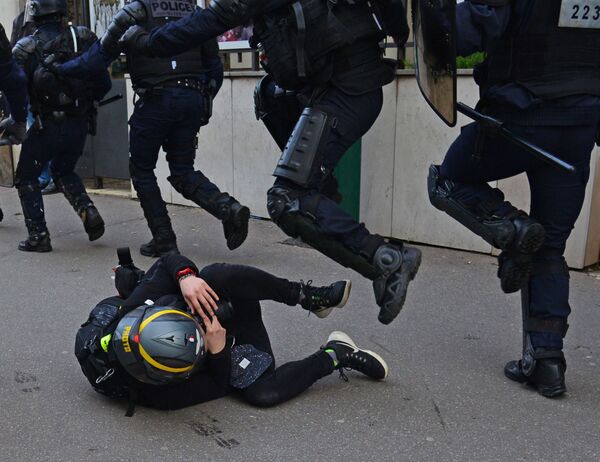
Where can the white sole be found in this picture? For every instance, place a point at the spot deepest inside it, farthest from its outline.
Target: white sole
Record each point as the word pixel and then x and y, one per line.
pixel 327 311
pixel 342 337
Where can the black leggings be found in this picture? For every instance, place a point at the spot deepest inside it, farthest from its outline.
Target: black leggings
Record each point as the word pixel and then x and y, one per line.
pixel 244 286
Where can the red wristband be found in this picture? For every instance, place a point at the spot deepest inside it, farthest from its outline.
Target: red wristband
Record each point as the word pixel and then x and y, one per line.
pixel 185 272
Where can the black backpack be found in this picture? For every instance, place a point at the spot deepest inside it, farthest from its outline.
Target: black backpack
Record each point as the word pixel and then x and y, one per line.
pixel 92 342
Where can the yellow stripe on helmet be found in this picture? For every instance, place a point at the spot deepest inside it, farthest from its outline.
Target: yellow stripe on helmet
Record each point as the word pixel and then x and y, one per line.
pixel 160 313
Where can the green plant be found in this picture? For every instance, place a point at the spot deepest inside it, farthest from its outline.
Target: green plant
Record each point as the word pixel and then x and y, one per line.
pixel 469 62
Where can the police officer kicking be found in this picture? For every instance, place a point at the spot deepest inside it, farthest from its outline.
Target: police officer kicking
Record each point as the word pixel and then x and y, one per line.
pixel 326 70
pixel 542 78
pixel 63 109
pixel 13 85
pixel 175 100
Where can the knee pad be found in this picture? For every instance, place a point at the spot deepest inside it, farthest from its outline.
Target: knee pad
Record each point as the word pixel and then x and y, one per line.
pixel 495 230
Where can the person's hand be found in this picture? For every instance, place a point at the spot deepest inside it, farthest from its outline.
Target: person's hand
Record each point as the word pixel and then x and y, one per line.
pixel 12 132
pixel 199 296
pixel 214 334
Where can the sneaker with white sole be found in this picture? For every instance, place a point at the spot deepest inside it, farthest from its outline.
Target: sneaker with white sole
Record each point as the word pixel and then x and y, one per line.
pixel 322 300
pixel 350 356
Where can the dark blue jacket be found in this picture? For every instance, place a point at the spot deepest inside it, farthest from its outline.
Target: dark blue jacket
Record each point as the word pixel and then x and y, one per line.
pixel 477 26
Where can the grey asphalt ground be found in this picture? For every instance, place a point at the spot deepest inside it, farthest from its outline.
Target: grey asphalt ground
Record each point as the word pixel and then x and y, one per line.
pixel 445 399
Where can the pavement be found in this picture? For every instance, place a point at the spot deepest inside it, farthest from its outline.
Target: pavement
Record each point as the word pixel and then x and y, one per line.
pixel 445 399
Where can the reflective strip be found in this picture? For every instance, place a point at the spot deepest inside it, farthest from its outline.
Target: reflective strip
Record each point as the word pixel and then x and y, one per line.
pixel 75 45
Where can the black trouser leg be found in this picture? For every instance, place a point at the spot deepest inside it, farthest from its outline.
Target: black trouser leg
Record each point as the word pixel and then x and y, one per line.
pixel 288 381
pixel 241 282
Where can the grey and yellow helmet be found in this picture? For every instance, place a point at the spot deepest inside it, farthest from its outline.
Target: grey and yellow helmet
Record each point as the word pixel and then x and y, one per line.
pixel 159 345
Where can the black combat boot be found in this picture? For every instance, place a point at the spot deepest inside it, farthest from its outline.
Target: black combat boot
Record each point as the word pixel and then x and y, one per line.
pixel 164 241
pixel 85 208
pixel 1 215
pixel 547 377
pixel 515 263
pixel 38 239
pixel 322 300
pixel 233 215
pixel 349 356
pixel 397 266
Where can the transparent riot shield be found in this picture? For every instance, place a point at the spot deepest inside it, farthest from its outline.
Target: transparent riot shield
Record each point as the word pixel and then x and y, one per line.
pixel 434 31
pixel 7 167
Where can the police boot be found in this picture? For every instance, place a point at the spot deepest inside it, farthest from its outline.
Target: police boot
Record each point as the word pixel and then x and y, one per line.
pixel 1 215
pixel 233 215
pixel 87 211
pixel 515 264
pixel 547 376
pixel 397 266
pixel 38 239
pixel 164 241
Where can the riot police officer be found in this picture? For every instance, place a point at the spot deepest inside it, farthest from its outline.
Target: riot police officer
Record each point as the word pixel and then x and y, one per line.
pixel 63 110
pixel 542 78
pixel 324 60
pixel 13 84
pixel 175 101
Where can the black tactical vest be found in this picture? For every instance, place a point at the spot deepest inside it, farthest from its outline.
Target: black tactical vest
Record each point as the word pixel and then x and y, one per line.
pixel 297 42
pixel 50 93
pixel 554 52
pixel 147 72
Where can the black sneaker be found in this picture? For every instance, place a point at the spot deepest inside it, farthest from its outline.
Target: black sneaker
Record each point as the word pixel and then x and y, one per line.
pixel 515 264
pixel 350 356
pixel 398 266
pixel 548 376
pixel 235 226
pixel 322 300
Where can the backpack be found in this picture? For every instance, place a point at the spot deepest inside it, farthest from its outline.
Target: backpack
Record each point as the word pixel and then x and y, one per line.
pixel 296 43
pixel 92 342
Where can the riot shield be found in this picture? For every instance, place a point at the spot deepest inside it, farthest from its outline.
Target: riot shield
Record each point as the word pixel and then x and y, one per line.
pixel 7 167
pixel 434 31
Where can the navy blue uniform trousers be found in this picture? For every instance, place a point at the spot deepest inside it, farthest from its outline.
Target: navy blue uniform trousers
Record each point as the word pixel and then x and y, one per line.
pixel 61 142
pixel 169 118
pixel 556 196
pixel 354 116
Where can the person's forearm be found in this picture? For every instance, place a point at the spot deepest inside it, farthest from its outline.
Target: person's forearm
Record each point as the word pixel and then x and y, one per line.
pixel 13 84
pixel 188 32
pixel 90 64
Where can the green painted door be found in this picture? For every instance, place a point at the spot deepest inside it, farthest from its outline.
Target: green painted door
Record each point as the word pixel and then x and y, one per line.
pixel 347 173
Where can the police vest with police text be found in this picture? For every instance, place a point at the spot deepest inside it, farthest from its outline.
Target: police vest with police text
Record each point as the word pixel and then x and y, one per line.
pixel 555 53
pixel 147 72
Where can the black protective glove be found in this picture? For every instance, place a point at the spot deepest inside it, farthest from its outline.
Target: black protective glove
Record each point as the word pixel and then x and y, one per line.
pixel 135 40
pixel 12 132
pixel 129 15
pixel 51 64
